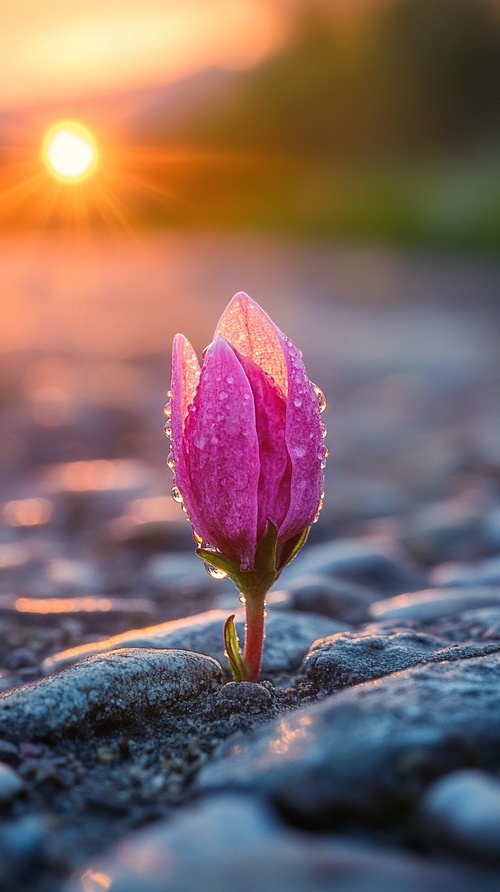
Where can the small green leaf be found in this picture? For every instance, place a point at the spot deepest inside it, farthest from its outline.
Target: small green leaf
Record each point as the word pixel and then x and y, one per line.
pixel 265 555
pixel 232 644
pixel 292 547
pixel 216 559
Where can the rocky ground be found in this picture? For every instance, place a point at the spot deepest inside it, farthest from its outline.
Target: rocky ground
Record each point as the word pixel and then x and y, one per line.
pixel 368 757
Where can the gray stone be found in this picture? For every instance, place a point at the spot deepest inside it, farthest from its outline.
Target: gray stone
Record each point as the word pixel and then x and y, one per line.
pixel 10 783
pixel 462 810
pixel 373 561
pixel 234 842
pixel 485 620
pixel 348 659
pixel 117 688
pixel 433 604
pixel 338 598
pixel 457 574
pixel 492 529
pixel 254 698
pixel 180 575
pixel 68 575
pixel 289 637
pixel 366 749
pixel 446 531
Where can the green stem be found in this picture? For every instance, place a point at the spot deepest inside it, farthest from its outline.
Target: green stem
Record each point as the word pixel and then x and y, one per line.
pixel 254 635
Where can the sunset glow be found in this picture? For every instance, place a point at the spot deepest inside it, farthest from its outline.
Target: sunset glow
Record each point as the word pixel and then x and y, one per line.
pixel 70 152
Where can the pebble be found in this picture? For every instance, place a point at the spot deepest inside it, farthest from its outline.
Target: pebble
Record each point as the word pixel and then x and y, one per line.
pixel 10 783
pixel 289 637
pixel 455 574
pixel 97 611
pixel 181 575
pixel 486 621
pixel 433 604
pixel 492 528
pixel 252 697
pixel 233 842
pixel 339 598
pixel 446 531
pixel 376 562
pixel 360 752
pixel 348 659
pixel 118 688
pixel 150 535
pixel 462 810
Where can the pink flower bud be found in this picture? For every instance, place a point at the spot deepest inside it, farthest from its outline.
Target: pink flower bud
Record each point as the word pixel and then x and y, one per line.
pixel 246 434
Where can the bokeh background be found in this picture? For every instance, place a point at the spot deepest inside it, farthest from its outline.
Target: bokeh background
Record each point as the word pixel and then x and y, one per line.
pixel 336 159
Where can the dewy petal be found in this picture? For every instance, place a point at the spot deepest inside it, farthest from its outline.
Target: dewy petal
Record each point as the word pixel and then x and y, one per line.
pixel 254 335
pixel 275 465
pixel 223 457
pixel 185 379
pixel 304 442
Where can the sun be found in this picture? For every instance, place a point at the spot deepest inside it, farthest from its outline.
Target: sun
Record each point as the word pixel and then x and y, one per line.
pixel 70 152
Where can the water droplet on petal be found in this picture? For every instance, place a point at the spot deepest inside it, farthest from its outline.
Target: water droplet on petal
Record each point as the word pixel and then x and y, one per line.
pixel 297 402
pixel 215 572
pixel 167 429
pixel 324 431
pixel 170 461
pixel 167 409
pixel 229 379
pixel 243 600
pixel 223 395
pixel 320 396
pixel 176 494
pixel 319 508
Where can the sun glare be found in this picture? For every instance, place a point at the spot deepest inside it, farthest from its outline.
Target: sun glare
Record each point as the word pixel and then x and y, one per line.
pixel 70 152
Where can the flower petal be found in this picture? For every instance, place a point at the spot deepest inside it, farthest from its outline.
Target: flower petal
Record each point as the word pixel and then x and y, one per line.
pixel 222 454
pixel 185 379
pixel 275 465
pixel 304 440
pixel 253 334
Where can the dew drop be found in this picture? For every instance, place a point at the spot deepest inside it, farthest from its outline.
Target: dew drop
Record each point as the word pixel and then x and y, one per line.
pixel 297 402
pixel 320 396
pixel 169 394
pixel 243 600
pixel 229 379
pixel 324 431
pixel 167 409
pixel 176 494
pixel 167 429
pixel 223 395
pixel 170 461
pixel 215 572
pixel 318 512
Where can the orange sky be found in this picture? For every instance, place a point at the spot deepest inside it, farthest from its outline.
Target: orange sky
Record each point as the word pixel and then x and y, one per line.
pixel 60 49
pixel 53 49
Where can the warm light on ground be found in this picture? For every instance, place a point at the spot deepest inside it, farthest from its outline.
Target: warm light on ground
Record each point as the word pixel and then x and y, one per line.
pixel 70 152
